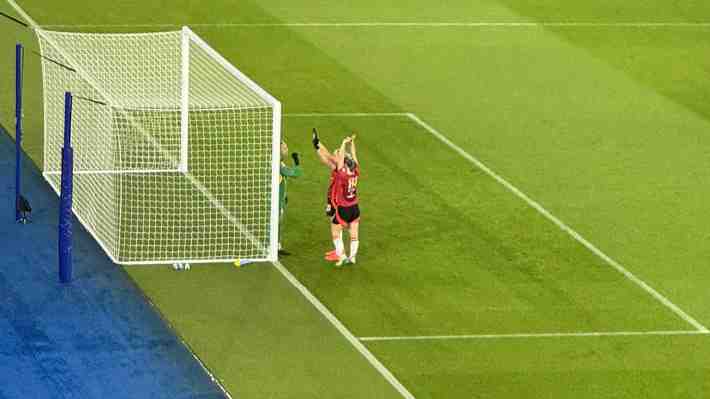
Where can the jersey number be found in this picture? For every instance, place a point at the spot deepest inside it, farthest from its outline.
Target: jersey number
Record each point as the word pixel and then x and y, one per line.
pixel 352 187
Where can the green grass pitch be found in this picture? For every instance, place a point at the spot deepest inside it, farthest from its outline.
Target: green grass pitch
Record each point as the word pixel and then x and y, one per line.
pixel 603 121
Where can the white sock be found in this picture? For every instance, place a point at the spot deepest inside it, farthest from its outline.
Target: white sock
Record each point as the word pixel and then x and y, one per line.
pixel 339 247
pixel 354 244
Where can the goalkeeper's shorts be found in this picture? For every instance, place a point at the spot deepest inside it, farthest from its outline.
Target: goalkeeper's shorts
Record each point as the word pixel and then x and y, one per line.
pixel 347 215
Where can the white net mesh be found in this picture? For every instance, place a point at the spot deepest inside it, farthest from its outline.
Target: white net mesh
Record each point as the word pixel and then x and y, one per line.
pixel 180 164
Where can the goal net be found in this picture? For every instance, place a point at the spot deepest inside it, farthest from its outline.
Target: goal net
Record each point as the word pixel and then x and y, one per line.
pixel 177 156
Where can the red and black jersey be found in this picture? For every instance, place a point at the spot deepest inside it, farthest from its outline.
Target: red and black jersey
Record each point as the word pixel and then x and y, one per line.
pixel 344 187
pixel 333 173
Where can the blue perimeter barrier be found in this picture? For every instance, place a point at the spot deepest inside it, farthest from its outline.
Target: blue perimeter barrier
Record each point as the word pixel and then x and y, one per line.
pixel 95 338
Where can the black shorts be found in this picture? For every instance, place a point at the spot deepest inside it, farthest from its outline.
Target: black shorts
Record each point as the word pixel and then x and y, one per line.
pixel 347 215
pixel 329 209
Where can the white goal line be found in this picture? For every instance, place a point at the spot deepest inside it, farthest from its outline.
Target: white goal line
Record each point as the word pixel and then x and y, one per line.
pixel 535 205
pixel 452 24
pixel 534 335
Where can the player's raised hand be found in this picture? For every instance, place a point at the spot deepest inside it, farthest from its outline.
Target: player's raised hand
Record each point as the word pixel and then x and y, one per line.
pixel 315 140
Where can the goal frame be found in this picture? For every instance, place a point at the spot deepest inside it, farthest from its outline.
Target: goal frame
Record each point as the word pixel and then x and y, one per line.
pixel 188 37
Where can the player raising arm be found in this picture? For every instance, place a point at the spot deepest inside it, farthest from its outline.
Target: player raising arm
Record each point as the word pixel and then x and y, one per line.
pixel 353 150
pixel 324 155
pixel 344 196
pixel 331 163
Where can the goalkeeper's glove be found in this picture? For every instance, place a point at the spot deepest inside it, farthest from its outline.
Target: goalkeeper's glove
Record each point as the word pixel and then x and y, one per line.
pixel 316 141
pixel 296 160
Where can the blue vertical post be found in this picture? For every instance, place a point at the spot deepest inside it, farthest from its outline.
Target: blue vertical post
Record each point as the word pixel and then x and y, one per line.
pixel 18 129
pixel 65 197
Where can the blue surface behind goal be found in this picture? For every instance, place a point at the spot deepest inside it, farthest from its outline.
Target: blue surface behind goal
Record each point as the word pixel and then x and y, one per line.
pixel 97 337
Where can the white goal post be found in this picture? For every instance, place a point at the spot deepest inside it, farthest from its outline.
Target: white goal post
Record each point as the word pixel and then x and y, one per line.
pixel 181 164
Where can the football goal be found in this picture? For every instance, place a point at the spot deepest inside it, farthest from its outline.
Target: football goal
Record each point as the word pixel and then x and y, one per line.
pixel 176 152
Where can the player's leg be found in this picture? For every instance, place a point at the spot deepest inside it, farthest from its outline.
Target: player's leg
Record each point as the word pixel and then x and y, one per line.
pixel 281 224
pixel 346 217
pixel 336 232
pixel 330 214
pixel 354 242
pixel 353 219
pixel 282 219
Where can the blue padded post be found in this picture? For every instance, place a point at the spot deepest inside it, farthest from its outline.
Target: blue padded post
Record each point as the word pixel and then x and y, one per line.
pixel 65 197
pixel 18 130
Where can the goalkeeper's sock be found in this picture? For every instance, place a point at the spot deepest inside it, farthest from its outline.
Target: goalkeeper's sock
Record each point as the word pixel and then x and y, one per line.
pixel 339 247
pixel 354 244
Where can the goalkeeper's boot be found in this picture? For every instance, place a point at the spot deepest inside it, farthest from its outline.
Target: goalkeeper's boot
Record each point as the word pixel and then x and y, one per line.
pixel 330 253
pixel 352 260
pixel 332 256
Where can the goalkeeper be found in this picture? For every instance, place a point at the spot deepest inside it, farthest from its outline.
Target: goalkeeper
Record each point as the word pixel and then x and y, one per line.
pixel 286 172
